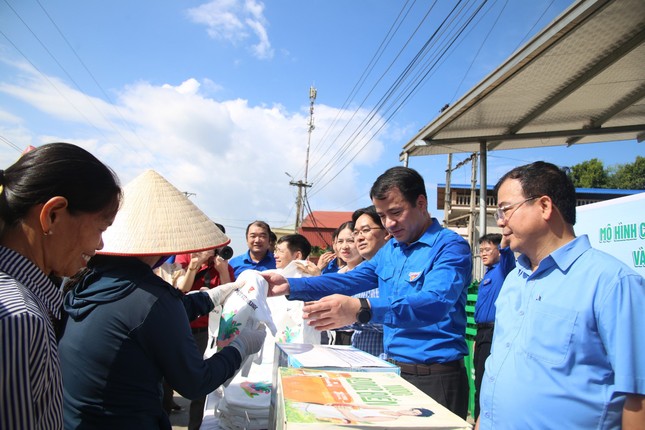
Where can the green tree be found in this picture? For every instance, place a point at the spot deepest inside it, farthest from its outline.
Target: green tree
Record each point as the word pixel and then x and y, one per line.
pixel 629 176
pixel 589 174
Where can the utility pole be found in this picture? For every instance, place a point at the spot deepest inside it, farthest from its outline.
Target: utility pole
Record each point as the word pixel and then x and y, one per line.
pixel 303 185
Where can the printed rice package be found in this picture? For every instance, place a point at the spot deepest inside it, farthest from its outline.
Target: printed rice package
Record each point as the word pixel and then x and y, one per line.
pixel 246 307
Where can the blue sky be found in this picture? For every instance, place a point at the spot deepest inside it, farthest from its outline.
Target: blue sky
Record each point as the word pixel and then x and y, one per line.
pixel 215 95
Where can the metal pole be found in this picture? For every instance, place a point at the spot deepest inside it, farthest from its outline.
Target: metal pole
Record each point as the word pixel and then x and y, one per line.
pixel 483 194
pixel 447 201
pixel 473 186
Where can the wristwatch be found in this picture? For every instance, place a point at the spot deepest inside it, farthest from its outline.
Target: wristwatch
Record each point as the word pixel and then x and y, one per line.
pixel 364 314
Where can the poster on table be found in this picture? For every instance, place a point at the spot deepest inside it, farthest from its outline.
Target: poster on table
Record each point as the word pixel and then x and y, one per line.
pixel 318 399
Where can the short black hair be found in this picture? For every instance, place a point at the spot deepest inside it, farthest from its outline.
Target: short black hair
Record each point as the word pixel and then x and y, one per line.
pixel 369 211
pixel 409 182
pixel 261 224
pixel 297 242
pixel 494 238
pixel 546 179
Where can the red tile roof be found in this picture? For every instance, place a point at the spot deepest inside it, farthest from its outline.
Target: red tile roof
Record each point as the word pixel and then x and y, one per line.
pixel 326 219
pixel 319 226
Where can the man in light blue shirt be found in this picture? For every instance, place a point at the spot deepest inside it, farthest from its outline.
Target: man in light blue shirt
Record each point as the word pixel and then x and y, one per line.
pixel 569 345
pixel 422 276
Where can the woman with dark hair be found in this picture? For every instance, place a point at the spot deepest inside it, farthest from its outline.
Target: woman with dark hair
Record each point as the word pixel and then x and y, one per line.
pixel 55 203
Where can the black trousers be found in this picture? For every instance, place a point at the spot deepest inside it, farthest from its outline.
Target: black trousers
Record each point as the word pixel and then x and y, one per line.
pixel 449 389
pixel 483 342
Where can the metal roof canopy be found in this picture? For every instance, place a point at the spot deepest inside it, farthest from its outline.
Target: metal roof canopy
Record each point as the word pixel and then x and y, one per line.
pixel 580 80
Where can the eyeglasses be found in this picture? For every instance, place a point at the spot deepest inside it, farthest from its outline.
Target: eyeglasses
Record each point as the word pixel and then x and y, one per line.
pixel 486 250
pixel 500 213
pixel 365 231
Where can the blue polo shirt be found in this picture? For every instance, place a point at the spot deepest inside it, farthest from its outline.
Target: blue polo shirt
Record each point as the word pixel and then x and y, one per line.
pixel 569 343
pixel 243 262
pixel 491 284
pixel 422 294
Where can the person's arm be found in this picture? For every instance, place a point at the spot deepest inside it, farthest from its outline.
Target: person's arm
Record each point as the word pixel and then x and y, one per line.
pixel 362 278
pixel 634 412
pixel 324 259
pixel 29 353
pixel 197 304
pixel 223 269
pixel 185 283
pixel 167 339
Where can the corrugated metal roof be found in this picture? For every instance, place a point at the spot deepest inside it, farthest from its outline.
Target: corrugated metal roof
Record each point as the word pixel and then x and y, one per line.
pixel 580 80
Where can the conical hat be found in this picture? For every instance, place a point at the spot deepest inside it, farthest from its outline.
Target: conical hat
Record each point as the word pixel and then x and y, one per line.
pixel 157 219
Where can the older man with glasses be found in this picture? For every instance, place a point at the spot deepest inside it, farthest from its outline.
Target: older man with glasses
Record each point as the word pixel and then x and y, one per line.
pixel 569 344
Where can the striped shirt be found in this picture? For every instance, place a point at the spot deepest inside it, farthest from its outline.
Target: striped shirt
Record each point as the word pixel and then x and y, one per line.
pixel 368 337
pixel 30 381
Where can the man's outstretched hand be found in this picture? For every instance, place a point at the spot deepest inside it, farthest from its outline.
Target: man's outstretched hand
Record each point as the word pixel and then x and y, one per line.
pixel 278 285
pixel 331 312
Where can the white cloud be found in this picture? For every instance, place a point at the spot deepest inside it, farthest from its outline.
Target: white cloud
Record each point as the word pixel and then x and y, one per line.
pixel 234 22
pixel 231 154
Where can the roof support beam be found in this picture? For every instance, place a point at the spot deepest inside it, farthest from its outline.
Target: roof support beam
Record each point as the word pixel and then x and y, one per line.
pixel 596 69
pixel 539 135
pixel 618 107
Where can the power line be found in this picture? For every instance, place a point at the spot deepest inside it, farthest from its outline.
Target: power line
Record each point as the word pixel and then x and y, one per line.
pixel 362 79
pixel 410 66
pixel 53 57
pixel 395 98
pixel 10 143
pixel 105 94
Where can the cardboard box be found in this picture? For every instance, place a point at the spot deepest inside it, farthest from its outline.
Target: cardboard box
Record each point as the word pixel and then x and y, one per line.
pixel 317 399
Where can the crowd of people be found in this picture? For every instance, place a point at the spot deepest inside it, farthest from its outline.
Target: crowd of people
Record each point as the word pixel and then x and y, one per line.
pixel 105 294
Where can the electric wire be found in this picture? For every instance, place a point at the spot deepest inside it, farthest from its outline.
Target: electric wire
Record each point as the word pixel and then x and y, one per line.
pixel 411 65
pixel 341 152
pixel 58 63
pixel 10 143
pixel 100 87
pixel 408 93
pixel 377 56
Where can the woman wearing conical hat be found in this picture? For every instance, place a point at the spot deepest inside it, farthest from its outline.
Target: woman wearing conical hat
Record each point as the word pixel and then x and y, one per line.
pixel 128 329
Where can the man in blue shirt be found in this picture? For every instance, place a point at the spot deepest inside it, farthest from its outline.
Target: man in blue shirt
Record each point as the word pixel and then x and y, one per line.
pixel 258 257
pixel 498 262
pixel 422 276
pixel 569 344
